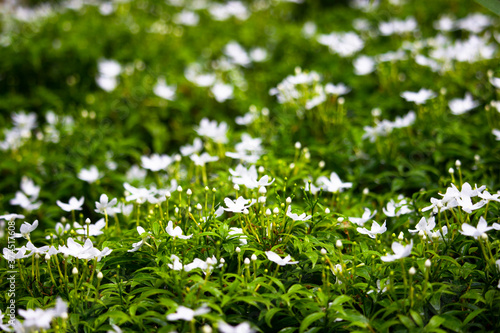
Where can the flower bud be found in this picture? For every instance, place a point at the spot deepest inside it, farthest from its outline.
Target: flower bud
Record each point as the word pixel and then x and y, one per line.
pixel 177 157
pixel 428 263
pixel 340 219
pixel 47 257
pixel 238 250
pixel 458 164
pixel 268 212
pixel 74 271
pixel 412 271
pixel 253 257
pixel 168 194
pixel 298 145
pixel 245 211
pixel 338 243
pixel 366 191
pixel 292 166
pixel 323 252
pixel 189 192
pixel 246 261
pixel 327 210
pixel 288 200
pixel 100 276
pixel 261 169
pixel 87 220
pixel 321 164
pixel 179 188
pixel 198 206
pixel 401 236
pixel 206 329
pixel 451 171
pixel 276 210
pixel 222 261
pixel 236 187
pixel 262 190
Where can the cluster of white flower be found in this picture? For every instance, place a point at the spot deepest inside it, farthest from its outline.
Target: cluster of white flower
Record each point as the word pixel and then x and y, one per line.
pixel 462 198
pixel 28 196
pixel 16 136
pixel 345 44
pixel 305 89
pixel 384 127
pixel 108 70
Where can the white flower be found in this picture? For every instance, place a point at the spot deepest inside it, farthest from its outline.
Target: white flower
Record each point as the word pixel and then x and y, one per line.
pixel 238 232
pixel 424 225
pixel 274 257
pixel 238 205
pixel 187 17
pixel 104 206
pixel 367 216
pixel 89 175
pixel 73 204
pixel 241 328
pixel 156 162
pixel 212 130
pixel 363 65
pixel 201 160
pixel 459 106
pixel 334 184
pixel 345 44
pixel 11 217
pixel 419 97
pixel 176 232
pixel 188 150
pixel 396 26
pixel 29 188
pixel 90 229
pixel 187 314
pixel 140 195
pixel 176 264
pixel 258 54
pixel 108 71
pixel 482 228
pixel 400 251
pixel 496 133
pixel 296 217
pixel 237 54
pixel 86 251
pixel 222 92
pixel 337 90
pixel 41 319
pixel 161 89
pixel 144 237
pixel 376 229
pixel 26 229
pixel 23 201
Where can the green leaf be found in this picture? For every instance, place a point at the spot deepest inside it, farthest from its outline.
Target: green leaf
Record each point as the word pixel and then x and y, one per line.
pixel 436 301
pixel 409 324
pixel 417 318
pixel 341 299
pixel 493 5
pixel 435 322
pixel 310 319
pixel 270 314
pixel 473 315
pixel 452 323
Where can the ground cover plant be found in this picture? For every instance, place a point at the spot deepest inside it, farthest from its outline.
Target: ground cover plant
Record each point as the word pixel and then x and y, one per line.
pixel 249 166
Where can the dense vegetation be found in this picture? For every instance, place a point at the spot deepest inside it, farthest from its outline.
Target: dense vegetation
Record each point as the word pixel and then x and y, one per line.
pixel 242 166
